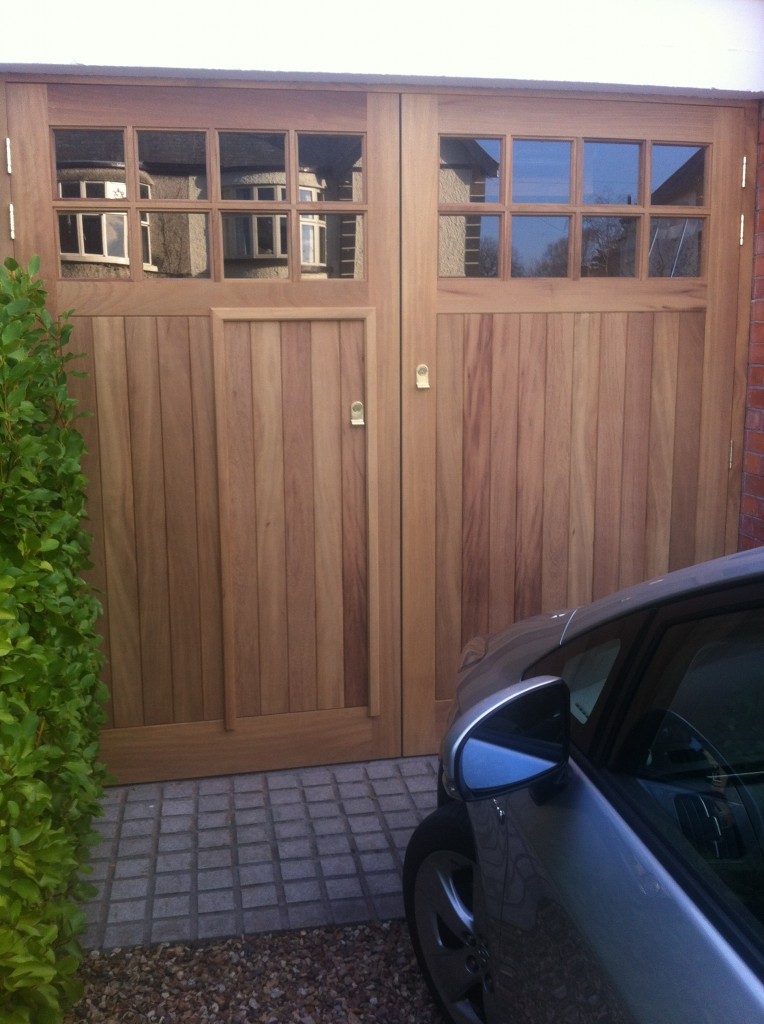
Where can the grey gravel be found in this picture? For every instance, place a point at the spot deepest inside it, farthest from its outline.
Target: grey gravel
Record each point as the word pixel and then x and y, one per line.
pixel 355 974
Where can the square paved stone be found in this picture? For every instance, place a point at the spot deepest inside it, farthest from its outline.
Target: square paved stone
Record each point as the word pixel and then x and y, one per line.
pixel 141 810
pixel 349 911
pixel 309 915
pixel 328 809
pixel 214 819
pixel 329 826
pixel 123 933
pixel 353 790
pixel 172 929
pixel 131 910
pixel 338 864
pixel 263 920
pixel 396 802
pixel 283 781
pixel 216 925
pixel 349 773
pixel 254 874
pixel 382 770
pixel 255 853
pixel 372 841
pixel 212 803
pixel 292 829
pixel 388 787
pixel 172 906
pixel 389 906
pixel 259 896
pixel 294 848
pixel 248 783
pixel 136 846
pixel 222 857
pixel 250 816
pixel 177 823
pixel 174 862
pixel 173 807
pixel 222 878
pixel 381 884
pixel 294 869
pixel 302 891
pixel 131 868
pixel 332 844
pixel 217 786
pixel 176 842
pixel 212 837
pixel 129 888
pixel 401 819
pixel 215 901
pixel 360 824
pixel 378 860
pixel 251 833
pixel 289 812
pixel 343 888
pixel 173 883
pixel 316 794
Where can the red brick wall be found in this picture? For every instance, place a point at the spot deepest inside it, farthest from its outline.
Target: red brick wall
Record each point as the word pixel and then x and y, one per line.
pixel 752 510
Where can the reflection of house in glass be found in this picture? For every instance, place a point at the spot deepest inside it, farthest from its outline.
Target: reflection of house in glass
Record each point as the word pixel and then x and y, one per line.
pixel 676 243
pixel 469 173
pixel 261 200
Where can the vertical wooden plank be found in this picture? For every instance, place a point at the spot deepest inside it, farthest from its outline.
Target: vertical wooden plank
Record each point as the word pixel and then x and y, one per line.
pixel 684 486
pixel 662 426
pixel 419 275
pixel 583 461
pixel 82 387
pixel 298 498
pixel 477 475
pixel 182 535
pixel 448 518
pixel 269 523
pixel 610 431
pixel 505 402
pixel 636 447
pixel 119 519
pixel 236 469
pixel 150 518
pixel 208 516
pixel 355 520
pixel 557 446
pixel 530 462
pixel 328 413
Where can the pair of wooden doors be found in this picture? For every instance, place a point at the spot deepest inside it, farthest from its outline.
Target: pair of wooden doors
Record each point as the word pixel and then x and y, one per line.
pixel 339 427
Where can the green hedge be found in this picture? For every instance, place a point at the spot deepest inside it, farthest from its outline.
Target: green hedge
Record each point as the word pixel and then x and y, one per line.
pixel 50 694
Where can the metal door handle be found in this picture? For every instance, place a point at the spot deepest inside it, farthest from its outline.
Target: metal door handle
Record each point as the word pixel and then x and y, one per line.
pixel 356 414
pixel 423 376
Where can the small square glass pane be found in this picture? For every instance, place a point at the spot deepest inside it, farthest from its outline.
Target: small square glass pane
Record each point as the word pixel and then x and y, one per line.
pixel 678 176
pixel 174 164
pixel 179 244
pixel 540 246
pixel 256 246
pixel 330 168
pixel 540 171
pixel 676 247
pixel 609 246
pixel 90 164
pixel 252 165
pixel 469 246
pixel 611 173
pixel 332 246
pixel 469 170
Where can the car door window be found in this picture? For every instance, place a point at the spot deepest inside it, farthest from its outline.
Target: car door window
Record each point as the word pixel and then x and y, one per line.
pixel 588 663
pixel 691 753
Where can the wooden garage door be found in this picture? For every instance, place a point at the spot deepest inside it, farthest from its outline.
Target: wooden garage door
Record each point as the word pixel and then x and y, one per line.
pixel 231 255
pixel 572 360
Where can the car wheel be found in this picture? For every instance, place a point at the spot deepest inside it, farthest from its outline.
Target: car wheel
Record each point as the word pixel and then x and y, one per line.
pixel 445 911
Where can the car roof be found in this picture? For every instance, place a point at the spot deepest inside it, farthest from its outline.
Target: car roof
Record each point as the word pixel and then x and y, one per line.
pixel 742 567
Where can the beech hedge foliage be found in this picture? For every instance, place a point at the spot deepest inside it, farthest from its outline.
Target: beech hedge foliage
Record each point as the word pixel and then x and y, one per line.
pixel 50 694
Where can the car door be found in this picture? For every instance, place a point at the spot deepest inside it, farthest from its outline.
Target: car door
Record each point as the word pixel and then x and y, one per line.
pixel 633 893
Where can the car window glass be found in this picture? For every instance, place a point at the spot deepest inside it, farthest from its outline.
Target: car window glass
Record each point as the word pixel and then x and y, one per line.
pixel 691 752
pixel 587 663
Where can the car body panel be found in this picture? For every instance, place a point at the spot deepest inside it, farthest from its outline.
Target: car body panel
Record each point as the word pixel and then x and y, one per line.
pixel 574 869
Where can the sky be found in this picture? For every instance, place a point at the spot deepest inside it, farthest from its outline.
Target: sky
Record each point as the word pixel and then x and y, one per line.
pixel 702 44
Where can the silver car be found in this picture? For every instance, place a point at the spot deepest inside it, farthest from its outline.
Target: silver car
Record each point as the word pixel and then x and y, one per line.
pixel 597 854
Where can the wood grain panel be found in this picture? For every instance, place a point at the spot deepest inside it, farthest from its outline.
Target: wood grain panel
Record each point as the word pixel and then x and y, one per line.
pixel 236 467
pixel 208 519
pixel 532 369
pixel 557 455
pixel 662 427
pixel 503 504
pixel 448 521
pixel 178 444
pixel 119 520
pixel 327 434
pixel 355 617
pixel 82 387
pixel 610 437
pixel 298 504
pixel 151 522
pixel 686 469
pixel 583 465
pixel 636 448
pixel 268 516
pixel 477 475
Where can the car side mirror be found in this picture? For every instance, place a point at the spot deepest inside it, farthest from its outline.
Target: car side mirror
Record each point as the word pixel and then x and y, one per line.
pixel 516 739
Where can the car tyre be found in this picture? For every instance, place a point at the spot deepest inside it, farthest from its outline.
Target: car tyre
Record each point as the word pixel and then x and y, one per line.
pixel 445 912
